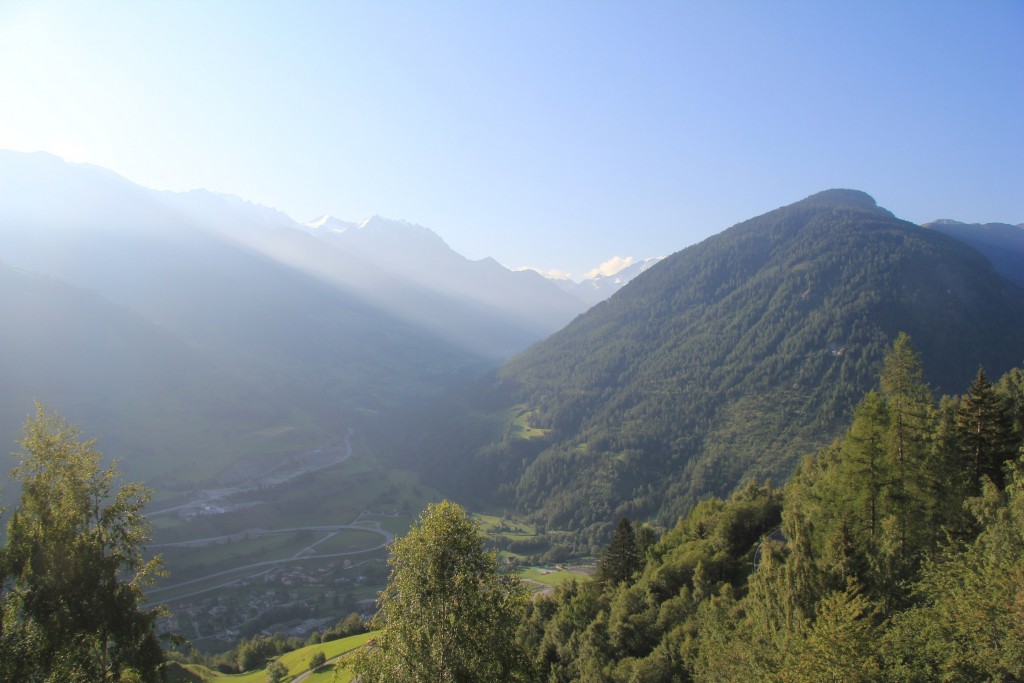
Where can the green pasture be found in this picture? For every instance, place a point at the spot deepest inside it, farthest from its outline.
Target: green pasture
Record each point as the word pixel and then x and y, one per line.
pixel 296 661
pixel 217 582
pixel 399 525
pixel 498 526
pixel 334 495
pixel 220 554
pixel 550 577
pixel 349 541
pixel 520 425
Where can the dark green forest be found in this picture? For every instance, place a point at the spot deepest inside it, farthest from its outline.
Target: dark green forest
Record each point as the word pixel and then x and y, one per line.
pixel 894 553
pixel 724 363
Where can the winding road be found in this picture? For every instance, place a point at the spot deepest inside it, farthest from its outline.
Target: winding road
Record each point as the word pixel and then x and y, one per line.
pixel 307 553
pixel 271 477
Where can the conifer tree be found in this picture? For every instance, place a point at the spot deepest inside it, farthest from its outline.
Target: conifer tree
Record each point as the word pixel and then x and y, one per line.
pixel 910 404
pixel 968 623
pixel 985 430
pixel 840 646
pixel 864 463
pixel 621 560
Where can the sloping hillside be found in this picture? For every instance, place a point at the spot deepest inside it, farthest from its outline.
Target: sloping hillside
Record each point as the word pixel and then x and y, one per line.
pixel 727 361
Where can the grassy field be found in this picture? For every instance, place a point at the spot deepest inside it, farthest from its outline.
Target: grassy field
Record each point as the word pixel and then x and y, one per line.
pixel 398 525
pixel 176 592
pixel 296 661
pixel 521 428
pixel 497 526
pixel 550 577
pixel 349 541
pixel 184 563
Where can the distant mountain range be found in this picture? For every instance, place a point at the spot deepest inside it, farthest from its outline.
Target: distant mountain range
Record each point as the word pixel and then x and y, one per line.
pixel 726 361
pixel 192 329
pixel 1002 244
pixel 596 289
pixel 183 323
pixel 526 306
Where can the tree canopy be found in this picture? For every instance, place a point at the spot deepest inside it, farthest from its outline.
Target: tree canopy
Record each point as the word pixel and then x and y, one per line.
pixel 896 553
pixel 72 569
pixel 446 615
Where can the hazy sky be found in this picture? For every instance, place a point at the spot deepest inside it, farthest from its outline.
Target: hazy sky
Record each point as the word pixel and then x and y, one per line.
pixel 551 134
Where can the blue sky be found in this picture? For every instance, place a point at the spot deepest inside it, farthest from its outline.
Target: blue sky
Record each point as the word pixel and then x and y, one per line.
pixel 551 134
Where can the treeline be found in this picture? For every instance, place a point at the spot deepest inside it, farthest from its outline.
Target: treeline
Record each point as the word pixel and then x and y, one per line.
pixel 895 553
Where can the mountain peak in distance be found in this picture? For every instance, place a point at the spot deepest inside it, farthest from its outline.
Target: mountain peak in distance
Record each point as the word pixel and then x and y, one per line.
pixel 328 223
pixel 387 230
pixel 837 198
pixel 1001 243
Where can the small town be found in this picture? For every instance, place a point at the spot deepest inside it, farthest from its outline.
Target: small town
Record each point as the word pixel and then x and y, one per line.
pixel 294 601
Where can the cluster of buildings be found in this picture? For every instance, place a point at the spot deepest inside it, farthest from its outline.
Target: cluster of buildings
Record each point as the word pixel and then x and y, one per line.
pixel 295 600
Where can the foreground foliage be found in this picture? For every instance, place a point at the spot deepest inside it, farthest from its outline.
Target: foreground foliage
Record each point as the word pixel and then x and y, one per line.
pixel 446 614
pixel 894 554
pixel 72 571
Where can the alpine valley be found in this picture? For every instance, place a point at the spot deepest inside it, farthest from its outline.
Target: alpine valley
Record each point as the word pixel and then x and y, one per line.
pixel 295 393
pixel 186 328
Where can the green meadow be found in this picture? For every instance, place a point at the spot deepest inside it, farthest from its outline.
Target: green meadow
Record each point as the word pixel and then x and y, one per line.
pixel 296 661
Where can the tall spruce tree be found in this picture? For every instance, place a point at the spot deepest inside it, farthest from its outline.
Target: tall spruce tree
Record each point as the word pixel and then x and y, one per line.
pixel 621 560
pixel 968 621
pixel 985 430
pixel 909 399
pixel 864 464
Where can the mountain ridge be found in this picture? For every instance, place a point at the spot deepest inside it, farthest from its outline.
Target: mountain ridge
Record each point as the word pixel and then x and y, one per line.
pixel 593 290
pixel 267 343
pixel 1001 243
pixel 732 358
pixel 532 306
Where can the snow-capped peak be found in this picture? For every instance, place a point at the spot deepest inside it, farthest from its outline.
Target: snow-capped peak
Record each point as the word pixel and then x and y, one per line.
pixel 328 223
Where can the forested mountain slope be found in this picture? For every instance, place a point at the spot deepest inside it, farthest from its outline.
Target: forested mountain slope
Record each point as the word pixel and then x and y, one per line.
pixel 893 554
pixel 727 361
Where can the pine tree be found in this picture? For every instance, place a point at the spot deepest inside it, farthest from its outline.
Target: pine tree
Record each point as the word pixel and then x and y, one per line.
pixel 621 560
pixel 865 469
pixel 910 403
pixel 908 396
pixel 985 430
pixel 968 622
pixel 840 646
